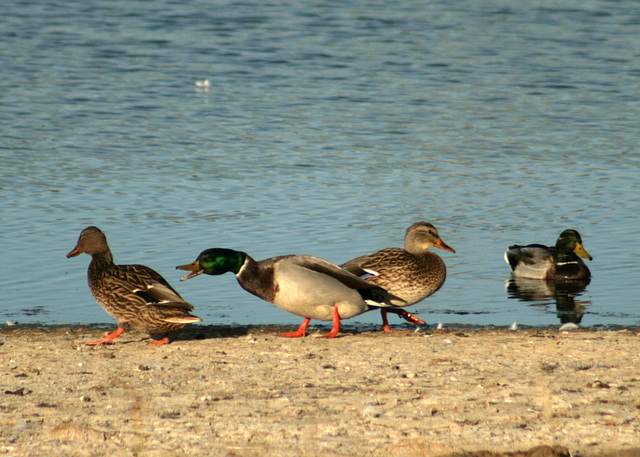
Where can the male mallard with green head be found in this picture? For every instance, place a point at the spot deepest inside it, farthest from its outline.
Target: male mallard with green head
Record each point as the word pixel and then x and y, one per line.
pixel 412 273
pixel 303 285
pixel 134 295
pixel 561 262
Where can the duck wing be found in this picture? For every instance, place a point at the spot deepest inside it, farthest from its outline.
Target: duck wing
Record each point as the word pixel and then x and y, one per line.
pixel 533 261
pixel 149 285
pixel 357 266
pixel 380 262
pixel 367 290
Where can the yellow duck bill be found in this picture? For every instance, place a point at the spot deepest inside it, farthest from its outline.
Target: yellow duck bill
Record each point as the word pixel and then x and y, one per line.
pixel 193 268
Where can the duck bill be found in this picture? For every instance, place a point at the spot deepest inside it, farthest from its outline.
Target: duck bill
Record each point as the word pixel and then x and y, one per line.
pixel 75 252
pixel 442 245
pixel 193 268
pixel 581 252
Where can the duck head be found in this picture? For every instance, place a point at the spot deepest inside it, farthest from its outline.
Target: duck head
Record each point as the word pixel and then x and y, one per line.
pixel 422 236
pixel 570 240
pixel 91 241
pixel 215 261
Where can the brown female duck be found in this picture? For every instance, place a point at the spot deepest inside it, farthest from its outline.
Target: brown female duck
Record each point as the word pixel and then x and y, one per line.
pixel 134 295
pixel 412 273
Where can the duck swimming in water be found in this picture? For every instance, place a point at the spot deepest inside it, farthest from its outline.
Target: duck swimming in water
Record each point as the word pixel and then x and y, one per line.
pixel 561 262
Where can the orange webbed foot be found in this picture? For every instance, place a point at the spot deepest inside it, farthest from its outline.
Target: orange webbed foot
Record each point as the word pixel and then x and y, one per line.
pixel 407 316
pixel 403 314
pixel 302 331
pixel 107 339
pixel 164 340
pixel 336 324
pixel 386 328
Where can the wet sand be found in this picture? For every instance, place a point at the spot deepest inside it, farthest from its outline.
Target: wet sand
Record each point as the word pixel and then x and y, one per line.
pixel 244 391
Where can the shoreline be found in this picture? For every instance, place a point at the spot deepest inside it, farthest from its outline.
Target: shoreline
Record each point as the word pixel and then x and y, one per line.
pixel 244 391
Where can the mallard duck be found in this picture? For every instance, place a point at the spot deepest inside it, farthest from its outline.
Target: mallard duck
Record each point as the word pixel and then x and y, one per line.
pixel 412 273
pixel 134 295
pixel 303 285
pixel 537 261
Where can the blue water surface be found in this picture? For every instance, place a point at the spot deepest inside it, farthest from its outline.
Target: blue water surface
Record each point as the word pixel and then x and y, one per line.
pixel 327 128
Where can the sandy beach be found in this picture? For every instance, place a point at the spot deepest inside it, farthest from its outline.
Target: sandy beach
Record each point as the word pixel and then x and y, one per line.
pixel 244 391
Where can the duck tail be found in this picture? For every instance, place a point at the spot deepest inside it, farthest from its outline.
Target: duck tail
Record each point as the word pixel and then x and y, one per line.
pixel 183 319
pixel 377 297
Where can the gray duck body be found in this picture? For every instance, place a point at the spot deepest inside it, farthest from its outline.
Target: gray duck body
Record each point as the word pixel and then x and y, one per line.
pixel 310 287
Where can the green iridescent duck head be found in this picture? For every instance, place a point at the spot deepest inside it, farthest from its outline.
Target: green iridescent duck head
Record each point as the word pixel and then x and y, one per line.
pixel 570 241
pixel 215 261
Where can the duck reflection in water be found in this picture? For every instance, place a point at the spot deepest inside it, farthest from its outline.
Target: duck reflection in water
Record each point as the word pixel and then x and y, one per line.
pixel 564 293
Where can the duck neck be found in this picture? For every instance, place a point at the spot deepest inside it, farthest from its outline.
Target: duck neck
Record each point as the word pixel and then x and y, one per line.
pixel 564 251
pixel 257 279
pixel 564 256
pixel 100 261
pixel 415 248
pixel 234 261
pixel 245 267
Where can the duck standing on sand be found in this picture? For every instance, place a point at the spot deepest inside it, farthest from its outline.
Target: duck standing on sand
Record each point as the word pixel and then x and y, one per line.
pixel 134 295
pixel 560 263
pixel 303 285
pixel 412 273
